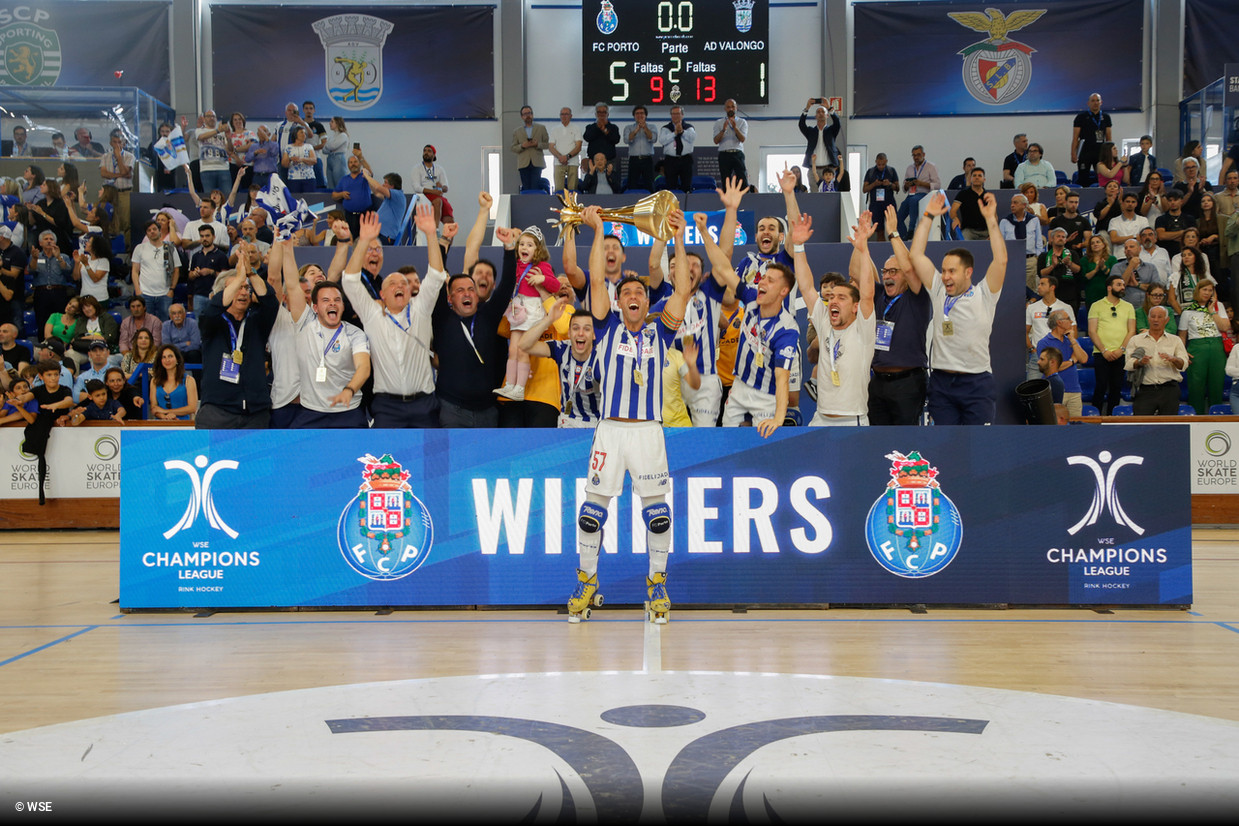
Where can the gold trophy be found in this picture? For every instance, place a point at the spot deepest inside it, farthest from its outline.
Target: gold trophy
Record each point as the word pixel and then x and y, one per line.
pixel 648 215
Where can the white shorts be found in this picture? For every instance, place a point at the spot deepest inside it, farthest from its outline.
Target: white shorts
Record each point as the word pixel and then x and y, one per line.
pixel 635 448
pixel 565 421
pixel 705 402
pixel 744 399
pixel 822 420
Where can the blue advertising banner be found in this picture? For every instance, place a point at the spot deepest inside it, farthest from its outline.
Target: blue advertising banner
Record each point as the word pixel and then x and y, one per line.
pixel 945 515
pixel 70 43
pixel 1208 42
pixel 950 58
pixel 388 63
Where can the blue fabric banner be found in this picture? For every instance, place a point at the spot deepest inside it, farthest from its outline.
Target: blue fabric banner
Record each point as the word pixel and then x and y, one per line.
pixel 949 58
pixel 937 515
pixel 70 43
pixel 386 63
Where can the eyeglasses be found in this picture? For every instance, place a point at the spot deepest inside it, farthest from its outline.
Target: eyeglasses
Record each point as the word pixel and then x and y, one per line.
pixel 890 271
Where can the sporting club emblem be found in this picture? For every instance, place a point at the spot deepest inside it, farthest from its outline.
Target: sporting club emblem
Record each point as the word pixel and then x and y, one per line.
pixel 353 47
pixel 31 55
pixel 607 20
pixel 913 529
pixel 385 532
pixel 997 70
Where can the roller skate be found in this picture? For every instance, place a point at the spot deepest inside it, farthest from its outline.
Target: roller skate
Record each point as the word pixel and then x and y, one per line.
pixel 658 606
pixel 585 598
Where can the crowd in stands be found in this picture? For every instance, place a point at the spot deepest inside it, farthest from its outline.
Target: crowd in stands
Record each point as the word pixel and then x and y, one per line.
pixel 207 318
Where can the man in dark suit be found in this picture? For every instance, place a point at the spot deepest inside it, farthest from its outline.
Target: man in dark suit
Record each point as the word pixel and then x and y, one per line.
pixel 821 150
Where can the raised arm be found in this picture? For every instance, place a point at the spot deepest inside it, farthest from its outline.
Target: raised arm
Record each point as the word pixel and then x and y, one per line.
pixel 997 271
pixel 899 249
pixel 572 270
pixel 801 232
pixel 731 194
pixel 922 271
pixel 787 183
pixel 678 302
pixel 860 267
pixel 657 276
pixel 344 237
pixel 292 289
pixel 477 234
pixel 599 299
pixel 720 264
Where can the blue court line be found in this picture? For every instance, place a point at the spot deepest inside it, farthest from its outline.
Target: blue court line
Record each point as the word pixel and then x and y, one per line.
pixel 79 632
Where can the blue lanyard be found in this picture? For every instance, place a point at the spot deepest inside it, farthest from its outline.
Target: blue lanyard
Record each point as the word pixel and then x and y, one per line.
pixel 407 319
pixel 326 350
pixel 892 303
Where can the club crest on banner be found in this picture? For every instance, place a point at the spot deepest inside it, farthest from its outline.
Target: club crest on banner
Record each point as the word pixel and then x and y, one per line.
pixel 997 70
pixel 353 52
pixel 385 532
pixel 744 15
pixel 913 529
pixel 31 55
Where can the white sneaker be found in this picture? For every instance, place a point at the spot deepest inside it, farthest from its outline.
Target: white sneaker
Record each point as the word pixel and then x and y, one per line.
pixel 517 393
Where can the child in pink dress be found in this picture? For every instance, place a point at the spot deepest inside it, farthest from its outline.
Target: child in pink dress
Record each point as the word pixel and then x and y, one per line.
pixel 535 282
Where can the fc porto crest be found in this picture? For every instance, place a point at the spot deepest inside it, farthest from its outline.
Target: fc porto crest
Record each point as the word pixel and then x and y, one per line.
pixel 913 529
pixel 744 15
pixel 30 55
pixel 353 47
pixel 385 532
pixel 607 20
pixel 997 70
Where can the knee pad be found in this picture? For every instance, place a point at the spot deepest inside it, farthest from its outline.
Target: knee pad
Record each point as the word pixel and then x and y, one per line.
pixel 591 518
pixel 657 517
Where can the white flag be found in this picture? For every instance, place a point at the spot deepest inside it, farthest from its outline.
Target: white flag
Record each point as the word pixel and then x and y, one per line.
pixel 172 150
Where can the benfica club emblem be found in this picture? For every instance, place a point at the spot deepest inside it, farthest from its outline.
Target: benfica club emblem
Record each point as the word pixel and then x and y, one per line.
pixel 913 529
pixel 385 532
pixel 997 70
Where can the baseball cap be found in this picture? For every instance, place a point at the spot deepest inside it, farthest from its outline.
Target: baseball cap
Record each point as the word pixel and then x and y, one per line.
pixel 98 345
pixel 6 232
pixel 55 345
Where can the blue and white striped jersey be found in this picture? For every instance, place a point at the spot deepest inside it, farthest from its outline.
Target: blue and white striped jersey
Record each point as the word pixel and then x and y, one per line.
pixel 630 366
pixel 580 390
pixel 765 343
pixel 752 269
pixel 701 322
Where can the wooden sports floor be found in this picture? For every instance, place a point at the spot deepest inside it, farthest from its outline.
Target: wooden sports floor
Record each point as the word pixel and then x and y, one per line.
pixel 68 653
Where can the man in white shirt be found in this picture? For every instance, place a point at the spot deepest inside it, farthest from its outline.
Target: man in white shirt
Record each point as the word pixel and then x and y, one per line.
pixel 333 359
pixel 920 178
pixel 565 145
pixel 1035 169
pixel 397 325
pixel 213 144
pixel 640 138
pixel 1154 254
pixel 156 271
pixel 430 179
pixel 1036 319
pixel 1129 223
pixel 677 138
pixel 730 133
pixel 961 388
pixel 190 242
pixel 116 168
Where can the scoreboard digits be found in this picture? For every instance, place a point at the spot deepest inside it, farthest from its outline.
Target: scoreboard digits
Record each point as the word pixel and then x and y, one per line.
pixel 668 52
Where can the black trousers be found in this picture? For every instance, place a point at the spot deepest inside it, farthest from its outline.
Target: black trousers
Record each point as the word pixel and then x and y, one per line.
pixel 678 170
pixel 897 398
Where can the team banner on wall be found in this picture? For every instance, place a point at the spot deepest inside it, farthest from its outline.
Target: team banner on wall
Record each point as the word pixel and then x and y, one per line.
pixel 948 515
pixel 383 63
pixel 952 58
pixel 70 43
pixel 1208 42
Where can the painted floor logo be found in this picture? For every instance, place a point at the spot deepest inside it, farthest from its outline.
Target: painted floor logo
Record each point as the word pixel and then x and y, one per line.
pixel 913 529
pixel 385 532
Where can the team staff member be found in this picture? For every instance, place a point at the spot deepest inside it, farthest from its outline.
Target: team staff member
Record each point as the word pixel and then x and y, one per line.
pixel 846 329
pixel 961 388
pixel 235 327
pixel 629 439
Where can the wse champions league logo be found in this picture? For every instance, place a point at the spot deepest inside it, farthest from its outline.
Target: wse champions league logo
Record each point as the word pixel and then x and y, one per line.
pixel 353 47
pixel 385 532
pixel 913 529
pixel 997 70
